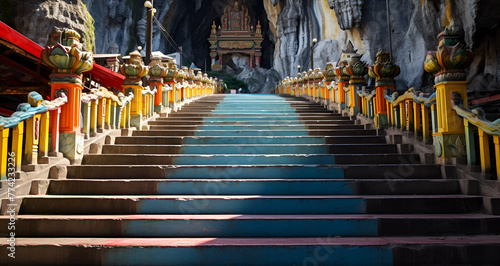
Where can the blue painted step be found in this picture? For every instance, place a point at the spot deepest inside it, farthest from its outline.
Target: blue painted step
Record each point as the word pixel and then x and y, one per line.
pixel 220 140
pixel 190 159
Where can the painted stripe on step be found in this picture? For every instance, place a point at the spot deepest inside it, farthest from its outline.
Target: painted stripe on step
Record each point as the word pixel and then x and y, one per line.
pixel 251 133
pixel 253 140
pixel 253 160
pixel 264 255
pixel 258 172
pixel 265 187
pixel 256 227
pixel 252 205
pixel 255 149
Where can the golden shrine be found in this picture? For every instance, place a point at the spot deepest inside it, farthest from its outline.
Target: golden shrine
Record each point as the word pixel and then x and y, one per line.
pixel 235 36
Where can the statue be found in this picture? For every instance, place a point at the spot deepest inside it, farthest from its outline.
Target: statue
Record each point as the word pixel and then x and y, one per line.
pixel 224 21
pixel 214 29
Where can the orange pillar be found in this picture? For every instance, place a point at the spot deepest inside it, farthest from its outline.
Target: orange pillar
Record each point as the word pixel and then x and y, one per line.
pixel 159 94
pixel 342 94
pixel 70 137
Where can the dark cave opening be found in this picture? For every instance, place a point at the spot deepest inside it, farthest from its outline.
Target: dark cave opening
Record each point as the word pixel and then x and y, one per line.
pixel 189 25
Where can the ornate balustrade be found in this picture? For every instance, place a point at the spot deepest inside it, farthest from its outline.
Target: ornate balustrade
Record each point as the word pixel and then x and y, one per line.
pixel 29 127
pixel 476 124
pixel 441 118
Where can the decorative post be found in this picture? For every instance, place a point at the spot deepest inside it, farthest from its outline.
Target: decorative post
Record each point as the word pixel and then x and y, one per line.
pixel 178 88
pixel 329 75
pixel 448 65
pixel 133 72
pixel 357 69
pixel 68 63
pixel 384 72
pixel 318 78
pixel 185 86
pixel 170 80
pixel 191 75
pixel 343 81
pixel 156 74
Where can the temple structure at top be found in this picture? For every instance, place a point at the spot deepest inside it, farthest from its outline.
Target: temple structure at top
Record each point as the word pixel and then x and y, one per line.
pixel 235 37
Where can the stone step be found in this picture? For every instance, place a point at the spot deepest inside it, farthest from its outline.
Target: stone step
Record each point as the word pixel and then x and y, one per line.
pixel 252 149
pixel 243 119
pixel 252 108
pixel 254 187
pixel 250 140
pixel 387 172
pixel 232 128
pixel 302 204
pixel 256 133
pixel 247 123
pixel 270 113
pixel 469 250
pixel 258 159
pixel 250 225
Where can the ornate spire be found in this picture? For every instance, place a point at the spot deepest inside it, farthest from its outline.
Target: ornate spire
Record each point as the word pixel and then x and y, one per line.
pixel 448 63
pixel 384 71
pixel 350 49
pixel 157 70
pixel 134 70
pixel 357 69
pixel 66 57
pixel 329 72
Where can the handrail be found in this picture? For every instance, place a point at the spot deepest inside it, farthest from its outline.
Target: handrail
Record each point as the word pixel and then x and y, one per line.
pixel 367 95
pixel 396 99
pixel 427 101
pixel 26 110
pixel 476 116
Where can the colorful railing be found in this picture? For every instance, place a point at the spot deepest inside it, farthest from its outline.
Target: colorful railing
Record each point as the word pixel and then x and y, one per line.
pixel 29 127
pixel 475 121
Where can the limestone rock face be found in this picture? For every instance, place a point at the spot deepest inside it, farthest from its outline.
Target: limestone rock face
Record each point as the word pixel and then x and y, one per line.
pixel 289 27
pixel 40 16
pixel 348 12
pixel 297 27
pixel 415 25
pixel 259 80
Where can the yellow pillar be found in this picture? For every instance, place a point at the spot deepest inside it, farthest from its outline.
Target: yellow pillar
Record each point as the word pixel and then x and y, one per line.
pixel 496 140
pixel 4 142
pixel 402 115
pixel 448 120
pixel 450 136
pixel 17 144
pixel 484 151
pixel 101 113
pixel 32 139
pixel 108 113
pixel 416 118
pixel 425 123
pixel 44 134
pixel 93 117
pixel 409 115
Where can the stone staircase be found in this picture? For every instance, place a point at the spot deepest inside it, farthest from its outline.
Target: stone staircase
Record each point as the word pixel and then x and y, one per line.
pixel 254 180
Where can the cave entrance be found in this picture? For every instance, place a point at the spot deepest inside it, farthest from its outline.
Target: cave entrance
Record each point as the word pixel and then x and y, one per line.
pixel 189 24
pixel 234 37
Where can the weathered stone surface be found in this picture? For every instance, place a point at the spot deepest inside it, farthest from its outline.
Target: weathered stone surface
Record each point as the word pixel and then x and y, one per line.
pixel 289 27
pixel 348 12
pixel 37 18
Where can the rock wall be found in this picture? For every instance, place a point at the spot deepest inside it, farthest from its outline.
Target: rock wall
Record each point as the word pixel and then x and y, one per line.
pixel 36 19
pixel 415 25
pixel 289 27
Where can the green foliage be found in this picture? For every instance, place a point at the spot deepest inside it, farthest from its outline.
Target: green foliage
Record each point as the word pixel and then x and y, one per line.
pixel 234 84
pixel 89 37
